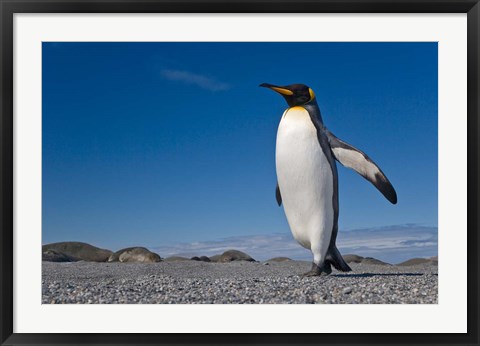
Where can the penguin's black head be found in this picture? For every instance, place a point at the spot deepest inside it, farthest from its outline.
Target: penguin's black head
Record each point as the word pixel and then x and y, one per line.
pixel 295 94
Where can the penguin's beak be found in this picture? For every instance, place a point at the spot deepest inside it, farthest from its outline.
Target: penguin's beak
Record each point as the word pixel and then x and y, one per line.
pixel 278 89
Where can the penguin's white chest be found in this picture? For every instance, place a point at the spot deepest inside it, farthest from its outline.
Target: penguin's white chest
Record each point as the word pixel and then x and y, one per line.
pixel 305 179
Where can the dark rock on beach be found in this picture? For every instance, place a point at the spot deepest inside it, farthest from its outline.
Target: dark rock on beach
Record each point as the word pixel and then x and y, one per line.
pixel 135 254
pixel 415 261
pixel 232 255
pixel 215 258
pixel 78 251
pixel 201 258
pixel 54 256
pixel 371 260
pixel 351 258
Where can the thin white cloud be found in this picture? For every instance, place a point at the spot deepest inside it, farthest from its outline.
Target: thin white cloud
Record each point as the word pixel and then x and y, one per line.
pixel 392 244
pixel 204 82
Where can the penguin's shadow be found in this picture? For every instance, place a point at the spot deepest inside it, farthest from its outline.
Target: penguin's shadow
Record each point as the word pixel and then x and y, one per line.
pixel 369 275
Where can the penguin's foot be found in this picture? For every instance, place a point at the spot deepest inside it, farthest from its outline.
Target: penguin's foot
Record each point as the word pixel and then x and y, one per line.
pixel 324 270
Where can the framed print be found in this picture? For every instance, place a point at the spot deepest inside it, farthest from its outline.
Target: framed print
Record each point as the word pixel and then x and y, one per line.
pixel 286 174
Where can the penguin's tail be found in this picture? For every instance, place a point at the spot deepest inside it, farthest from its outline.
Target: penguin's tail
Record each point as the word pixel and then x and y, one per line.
pixel 335 258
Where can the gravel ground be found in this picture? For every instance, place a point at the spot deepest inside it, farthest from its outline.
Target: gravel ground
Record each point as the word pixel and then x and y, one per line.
pixel 234 283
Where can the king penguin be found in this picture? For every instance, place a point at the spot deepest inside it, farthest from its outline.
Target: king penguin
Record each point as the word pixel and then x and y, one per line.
pixel 307 179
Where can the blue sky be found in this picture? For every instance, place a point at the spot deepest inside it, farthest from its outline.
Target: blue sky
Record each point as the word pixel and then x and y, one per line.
pixel 165 145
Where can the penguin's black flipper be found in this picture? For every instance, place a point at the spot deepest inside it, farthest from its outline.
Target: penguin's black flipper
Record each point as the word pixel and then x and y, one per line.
pixel 278 196
pixel 351 157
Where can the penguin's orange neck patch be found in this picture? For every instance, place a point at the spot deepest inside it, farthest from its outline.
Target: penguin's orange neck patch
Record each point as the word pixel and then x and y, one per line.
pixel 295 110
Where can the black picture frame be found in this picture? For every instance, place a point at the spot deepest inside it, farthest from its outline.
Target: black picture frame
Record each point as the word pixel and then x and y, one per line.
pixel 7 10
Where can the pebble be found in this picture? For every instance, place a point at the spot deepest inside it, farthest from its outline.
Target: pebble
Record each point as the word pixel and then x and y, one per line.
pixel 234 283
